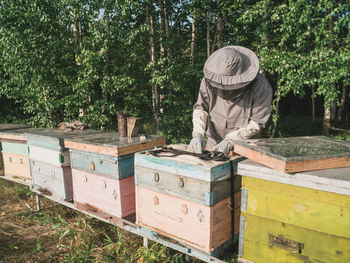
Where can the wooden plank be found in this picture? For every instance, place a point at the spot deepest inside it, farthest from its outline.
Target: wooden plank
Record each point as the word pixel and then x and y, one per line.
pixel 273 241
pixel 15 148
pixel 112 219
pixel 1 164
pixel 329 180
pixel 17 179
pixel 113 145
pixel 110 196
pixel 198 191
pixel 187 166
pixel 183 220
pixel 54 138
pixel 52 180
pixel 317 210
pixel 295 191
pixel 296 154
pixel 117 167
pixel 11 126
pixel 15 135
pixel 16 165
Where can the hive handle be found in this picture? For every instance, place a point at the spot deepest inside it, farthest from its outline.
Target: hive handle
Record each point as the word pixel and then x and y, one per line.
pixel 181 182
pixel 156 177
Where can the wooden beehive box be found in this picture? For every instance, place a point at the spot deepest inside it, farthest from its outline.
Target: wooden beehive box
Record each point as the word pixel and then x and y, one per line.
pixel 104 196
pixel 50 161
pixel 301 217
pixel 3 128
pixel 296 154
pixel 15 154
pixel 105 162
pixel 187 199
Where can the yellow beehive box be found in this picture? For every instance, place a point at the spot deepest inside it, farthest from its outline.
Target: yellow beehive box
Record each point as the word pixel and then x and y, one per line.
pixel 301 217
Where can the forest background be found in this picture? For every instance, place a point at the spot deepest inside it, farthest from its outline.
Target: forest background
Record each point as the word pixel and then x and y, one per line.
pixel 82 59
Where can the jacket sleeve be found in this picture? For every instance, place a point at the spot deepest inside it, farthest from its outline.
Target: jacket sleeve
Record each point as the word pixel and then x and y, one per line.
pixel 261 103
pixel 203 98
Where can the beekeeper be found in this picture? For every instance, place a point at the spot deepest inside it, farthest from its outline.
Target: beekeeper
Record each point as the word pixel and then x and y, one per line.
pixel 233 103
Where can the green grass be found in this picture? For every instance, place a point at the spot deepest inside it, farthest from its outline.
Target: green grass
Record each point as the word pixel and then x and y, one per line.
pixel 61 234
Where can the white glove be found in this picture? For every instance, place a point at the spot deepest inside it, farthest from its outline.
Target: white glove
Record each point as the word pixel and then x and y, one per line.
pixel 197 143
pixel 225 146
pixel 199 120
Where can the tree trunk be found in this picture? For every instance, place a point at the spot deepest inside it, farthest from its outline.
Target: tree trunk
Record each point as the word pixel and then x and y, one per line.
pixel 327 121
pixel 344 95
pixel 155 95
pixel 313 104
pixel 207 17
pixel 219 25
pixel 218 31
pixel 277 105
pixel 275 122
pixel 105 72
pixel 193 37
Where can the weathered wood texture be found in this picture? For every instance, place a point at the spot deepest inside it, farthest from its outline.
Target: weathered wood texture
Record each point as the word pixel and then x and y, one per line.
pixel 15 135
pixel 302 217
pixel 53 138
pixel 18 179
pixel 113 145
pixel 100 194
pixel 1 163
pixel 187 166
pixel 52 180
pixel 16 165
pixel 200 226
pixel 312 209
pixel 297 153
pixel 198 191
pixel 10 126
pixel 269 241
pixel 117 167
pixel 53 157
pixel 15 148
pixel 329 180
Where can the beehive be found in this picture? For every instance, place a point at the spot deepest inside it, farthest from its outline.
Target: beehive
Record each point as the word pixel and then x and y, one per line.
pixel 187 199
pixel 50 161
pixel 103 172
pixel 301 217
pixel 15 154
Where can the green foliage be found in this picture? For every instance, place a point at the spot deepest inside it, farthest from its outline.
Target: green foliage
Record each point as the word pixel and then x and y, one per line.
pixel 86 60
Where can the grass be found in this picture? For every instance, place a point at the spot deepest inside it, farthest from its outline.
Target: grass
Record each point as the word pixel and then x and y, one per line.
pixel 60 234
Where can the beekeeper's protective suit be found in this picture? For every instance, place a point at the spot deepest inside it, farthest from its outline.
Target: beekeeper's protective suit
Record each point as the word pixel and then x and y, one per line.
pixel 234 100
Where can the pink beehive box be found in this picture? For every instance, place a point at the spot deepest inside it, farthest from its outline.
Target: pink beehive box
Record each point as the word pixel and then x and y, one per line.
pixel 103 173
pixel 96 193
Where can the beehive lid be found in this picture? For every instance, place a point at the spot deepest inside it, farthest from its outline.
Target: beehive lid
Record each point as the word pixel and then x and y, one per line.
pixel 56 136
pixel 16 135
pixel 111 144
pixel 336 180
pixel 10 126
pixel 295 154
